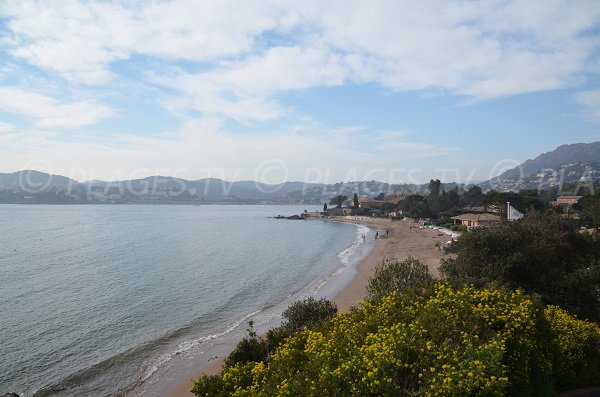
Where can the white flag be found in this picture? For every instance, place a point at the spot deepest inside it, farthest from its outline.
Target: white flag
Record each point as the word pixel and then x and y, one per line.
pixel 514 214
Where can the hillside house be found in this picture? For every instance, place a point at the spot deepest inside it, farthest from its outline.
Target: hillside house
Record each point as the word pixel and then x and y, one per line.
pixel 565 201
pixel 476 220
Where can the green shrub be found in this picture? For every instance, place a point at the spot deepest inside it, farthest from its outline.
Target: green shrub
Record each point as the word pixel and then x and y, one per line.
pixel 398 276
pixel 249 349
pixel 577 350
pixel 307 313
pixel 299 315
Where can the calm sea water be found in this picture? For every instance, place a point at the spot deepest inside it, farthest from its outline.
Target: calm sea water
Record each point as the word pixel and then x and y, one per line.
pixel 116 300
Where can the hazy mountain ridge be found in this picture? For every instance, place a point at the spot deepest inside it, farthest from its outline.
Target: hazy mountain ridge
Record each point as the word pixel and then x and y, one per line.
pixel 34 178
pixel 577 163
pixel 562 155
pixel 567 163
pixel 45 188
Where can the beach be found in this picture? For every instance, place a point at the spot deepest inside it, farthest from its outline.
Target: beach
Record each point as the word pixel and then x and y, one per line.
pixel 397 240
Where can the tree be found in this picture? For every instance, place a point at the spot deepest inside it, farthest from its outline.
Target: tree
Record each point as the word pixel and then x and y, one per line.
pixel 380 196
pixel 589 206
pixel 308 313
pixel 523 201
pixel 250 349
pixel 453 199
pixel 386 208
pixel 473 196
pixel 338 200
pixel 542 253
pixel 324 207
pixel 435 187
pixel 415 206
pixel 356 203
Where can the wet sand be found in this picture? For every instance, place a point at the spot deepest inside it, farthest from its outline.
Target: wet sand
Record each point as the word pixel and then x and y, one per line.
pixel 397 241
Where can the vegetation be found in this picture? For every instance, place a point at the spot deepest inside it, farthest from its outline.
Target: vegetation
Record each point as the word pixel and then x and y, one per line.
pixel 398 277
pixel 589 205
pixel 543 253
pixel 250 349
pixel 303 314
pixel 437 342
pixel 356 202
pixel 338 200
pixel 308 313
pixel 415 206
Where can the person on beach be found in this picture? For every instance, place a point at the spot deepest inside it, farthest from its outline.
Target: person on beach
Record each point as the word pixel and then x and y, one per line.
pixel 364 237
pixel 376 235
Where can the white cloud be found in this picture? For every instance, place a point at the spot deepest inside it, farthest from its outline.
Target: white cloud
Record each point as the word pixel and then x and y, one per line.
pixel 590 100
pixel 50 112
pixel 7 133
pixel 6 127
pixel 204 148
pixel 79 40
pixel 483 49
pixel 244 90
pixel 237 59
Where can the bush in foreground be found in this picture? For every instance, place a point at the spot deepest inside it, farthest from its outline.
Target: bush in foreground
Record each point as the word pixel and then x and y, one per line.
pixel 439 342
pixel 398 276
pixel 306 313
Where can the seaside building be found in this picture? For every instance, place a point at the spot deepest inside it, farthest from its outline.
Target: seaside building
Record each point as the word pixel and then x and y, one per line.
pixel 476 220
pixel 313 215
pixel 343 211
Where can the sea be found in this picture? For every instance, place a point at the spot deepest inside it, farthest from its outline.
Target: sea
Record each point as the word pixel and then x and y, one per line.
pixel 126 300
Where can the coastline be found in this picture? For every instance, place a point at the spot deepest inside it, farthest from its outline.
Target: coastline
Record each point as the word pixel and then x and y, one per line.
pixel 397 241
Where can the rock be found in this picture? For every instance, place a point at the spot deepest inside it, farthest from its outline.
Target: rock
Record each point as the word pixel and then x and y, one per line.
pixel 290 217
pixel 11 395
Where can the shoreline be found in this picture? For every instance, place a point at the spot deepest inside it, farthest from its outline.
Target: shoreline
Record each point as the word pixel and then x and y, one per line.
pixel 403 239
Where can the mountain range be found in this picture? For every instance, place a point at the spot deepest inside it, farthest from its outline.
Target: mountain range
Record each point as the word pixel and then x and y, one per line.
pixel 564 154
pixel 564 168
pixel 567 163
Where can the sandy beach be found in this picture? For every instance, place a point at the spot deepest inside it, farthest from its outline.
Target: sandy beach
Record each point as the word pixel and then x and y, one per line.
pixel 397 241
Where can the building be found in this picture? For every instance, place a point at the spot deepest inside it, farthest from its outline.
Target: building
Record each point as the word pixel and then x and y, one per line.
pixel 476 220
pixel 566 201
pixel 341 211
pixel 313 215
pixel 374 204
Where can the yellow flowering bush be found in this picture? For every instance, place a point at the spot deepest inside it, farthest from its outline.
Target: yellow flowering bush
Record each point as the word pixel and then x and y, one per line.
pixel 577 349
pixel 439 342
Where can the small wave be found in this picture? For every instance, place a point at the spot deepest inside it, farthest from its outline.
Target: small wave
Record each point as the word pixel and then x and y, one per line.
pixel 82 376
pixel 191 344
pixel 343 257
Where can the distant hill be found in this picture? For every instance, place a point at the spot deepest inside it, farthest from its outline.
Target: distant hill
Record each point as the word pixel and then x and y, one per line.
pixel 34 179
pixel 567 163
pixel 564 154
pixel 576 164
pixel 38 187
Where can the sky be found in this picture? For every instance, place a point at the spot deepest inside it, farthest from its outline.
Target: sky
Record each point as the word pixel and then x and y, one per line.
pixel 394 91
